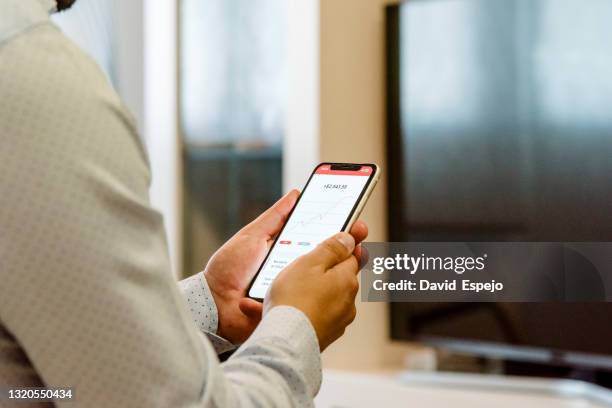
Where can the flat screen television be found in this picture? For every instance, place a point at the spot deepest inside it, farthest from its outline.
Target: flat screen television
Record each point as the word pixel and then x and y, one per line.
pixel 499 127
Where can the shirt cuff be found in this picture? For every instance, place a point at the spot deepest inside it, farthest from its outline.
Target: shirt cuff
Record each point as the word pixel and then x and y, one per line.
pixel 204 310
pixel 291 326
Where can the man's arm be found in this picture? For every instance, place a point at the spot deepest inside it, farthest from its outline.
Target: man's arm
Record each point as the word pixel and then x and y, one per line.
pixel 86 288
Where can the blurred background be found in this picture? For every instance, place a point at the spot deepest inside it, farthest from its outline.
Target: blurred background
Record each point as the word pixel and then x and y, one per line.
pixel 490 118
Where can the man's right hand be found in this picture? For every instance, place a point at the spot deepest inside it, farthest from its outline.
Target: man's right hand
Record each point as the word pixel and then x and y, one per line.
pixel 323 285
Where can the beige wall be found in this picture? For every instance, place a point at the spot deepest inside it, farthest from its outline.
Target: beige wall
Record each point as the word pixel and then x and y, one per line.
pixel 352 129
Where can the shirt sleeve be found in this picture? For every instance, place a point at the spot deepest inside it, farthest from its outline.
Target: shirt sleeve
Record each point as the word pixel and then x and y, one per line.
pixel 86 289
pixel 204 310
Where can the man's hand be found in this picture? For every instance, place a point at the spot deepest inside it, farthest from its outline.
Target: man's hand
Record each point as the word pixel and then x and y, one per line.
pixel 322 284
pixel 231 268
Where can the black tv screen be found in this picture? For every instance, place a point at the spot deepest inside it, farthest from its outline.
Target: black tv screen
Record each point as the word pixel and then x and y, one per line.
pixel 499 126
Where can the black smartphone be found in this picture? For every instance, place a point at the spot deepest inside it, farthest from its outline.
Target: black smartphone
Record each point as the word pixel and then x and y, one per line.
pixel 331 201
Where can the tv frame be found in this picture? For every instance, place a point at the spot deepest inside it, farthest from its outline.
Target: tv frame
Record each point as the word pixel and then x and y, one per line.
pixel 395 201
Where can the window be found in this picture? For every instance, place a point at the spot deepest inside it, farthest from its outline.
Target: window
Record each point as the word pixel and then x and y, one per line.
pixel 232 110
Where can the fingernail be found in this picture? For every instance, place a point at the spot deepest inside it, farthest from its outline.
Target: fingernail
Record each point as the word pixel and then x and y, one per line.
pixel 346 240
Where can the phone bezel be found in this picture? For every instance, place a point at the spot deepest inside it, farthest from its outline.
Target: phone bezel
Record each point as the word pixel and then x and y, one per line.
pixel 373 176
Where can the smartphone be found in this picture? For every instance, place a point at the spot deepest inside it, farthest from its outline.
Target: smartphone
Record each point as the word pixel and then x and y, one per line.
pixel 330 202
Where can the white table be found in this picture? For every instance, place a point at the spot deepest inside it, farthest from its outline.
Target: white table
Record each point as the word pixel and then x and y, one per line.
pixel 341 389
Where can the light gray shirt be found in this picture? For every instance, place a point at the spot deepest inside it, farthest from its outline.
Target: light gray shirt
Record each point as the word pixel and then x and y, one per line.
pixel 87 299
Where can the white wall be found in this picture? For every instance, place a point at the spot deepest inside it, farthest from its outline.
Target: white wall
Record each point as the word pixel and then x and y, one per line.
pixel 342 119
pixel 160 127
pixel 301 143
pixel 129 51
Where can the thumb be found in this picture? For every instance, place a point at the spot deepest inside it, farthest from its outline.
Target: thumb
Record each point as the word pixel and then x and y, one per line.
pixel 271 221
pixel 332 251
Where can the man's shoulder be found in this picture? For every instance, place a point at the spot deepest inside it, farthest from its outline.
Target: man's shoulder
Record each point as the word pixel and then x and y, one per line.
pixel 42 61
pixel 57 109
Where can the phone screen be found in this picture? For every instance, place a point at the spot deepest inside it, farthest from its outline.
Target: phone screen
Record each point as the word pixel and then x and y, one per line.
pixel 323 209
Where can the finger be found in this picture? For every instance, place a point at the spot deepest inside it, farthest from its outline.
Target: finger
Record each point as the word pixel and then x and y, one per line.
pixel 251 308
pixel 357 253
pixel 364 257
pixel 332 251
pixel 346 275
pixel 271 221
pixel 359 231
